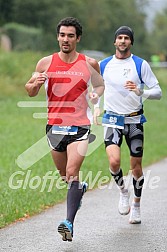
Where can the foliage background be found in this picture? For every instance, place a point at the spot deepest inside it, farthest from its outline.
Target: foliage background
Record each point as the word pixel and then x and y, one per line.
pixel 99 20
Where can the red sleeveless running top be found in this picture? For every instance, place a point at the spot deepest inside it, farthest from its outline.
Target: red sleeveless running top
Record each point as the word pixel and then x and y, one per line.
pixel 67 92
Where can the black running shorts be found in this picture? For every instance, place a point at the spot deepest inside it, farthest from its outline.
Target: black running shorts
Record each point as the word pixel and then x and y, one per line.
pixel 59 142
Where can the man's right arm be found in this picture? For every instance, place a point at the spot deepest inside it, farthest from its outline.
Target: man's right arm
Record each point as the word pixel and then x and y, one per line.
pixel 39 77
pixel 34 84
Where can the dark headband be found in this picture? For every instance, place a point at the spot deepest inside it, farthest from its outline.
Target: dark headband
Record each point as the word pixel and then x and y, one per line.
pixel 125 30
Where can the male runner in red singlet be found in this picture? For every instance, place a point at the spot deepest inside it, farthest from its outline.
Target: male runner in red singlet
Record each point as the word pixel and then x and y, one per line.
pixel 67 76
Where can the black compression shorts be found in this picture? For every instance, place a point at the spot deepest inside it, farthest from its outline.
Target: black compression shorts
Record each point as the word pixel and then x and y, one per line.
pixel 133 135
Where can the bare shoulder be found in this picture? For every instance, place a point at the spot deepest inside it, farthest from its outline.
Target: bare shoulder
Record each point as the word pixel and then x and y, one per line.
pixel 92 62
pixel 43 64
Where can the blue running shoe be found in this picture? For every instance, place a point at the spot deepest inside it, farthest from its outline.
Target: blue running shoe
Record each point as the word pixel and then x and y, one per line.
pixel 65 229
pixel 84 189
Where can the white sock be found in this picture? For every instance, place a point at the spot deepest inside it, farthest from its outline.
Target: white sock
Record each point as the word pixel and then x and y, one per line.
pixel 136 204
pixel 123 190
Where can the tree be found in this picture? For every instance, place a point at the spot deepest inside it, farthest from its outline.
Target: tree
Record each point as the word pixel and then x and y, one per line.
pixel 6 11
pixel 99 18
pixel 158 36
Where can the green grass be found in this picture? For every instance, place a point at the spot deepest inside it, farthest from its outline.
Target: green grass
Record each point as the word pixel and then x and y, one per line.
pixel 19 131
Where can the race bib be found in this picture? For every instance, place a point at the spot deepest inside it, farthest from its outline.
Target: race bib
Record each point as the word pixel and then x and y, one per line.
pixel 113 120
pixel 64 130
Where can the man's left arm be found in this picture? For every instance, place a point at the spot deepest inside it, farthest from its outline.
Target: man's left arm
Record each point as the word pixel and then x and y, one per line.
pixel 153 93
pixel 96 80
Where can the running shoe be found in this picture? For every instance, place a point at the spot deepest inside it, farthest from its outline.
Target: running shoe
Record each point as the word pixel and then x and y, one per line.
pixel 65 229
pixel 135 217
pixel 84 189
pixel 124 207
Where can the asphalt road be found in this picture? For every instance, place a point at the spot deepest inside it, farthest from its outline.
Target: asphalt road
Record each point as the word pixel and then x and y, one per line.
pixel 98 225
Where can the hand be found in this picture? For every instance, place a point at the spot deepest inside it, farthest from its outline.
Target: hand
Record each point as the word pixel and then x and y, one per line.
pixel 131 86
pixel 93 97
pixel 40 79
pixel 96 114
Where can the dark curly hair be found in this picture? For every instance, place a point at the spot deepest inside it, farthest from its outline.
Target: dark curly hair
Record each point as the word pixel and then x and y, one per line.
pixel 70 21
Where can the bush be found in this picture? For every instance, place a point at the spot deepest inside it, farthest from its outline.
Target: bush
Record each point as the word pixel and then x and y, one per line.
pixel 24 37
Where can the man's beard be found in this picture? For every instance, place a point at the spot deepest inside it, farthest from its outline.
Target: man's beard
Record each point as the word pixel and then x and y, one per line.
pixel 125 50
pixel 65 51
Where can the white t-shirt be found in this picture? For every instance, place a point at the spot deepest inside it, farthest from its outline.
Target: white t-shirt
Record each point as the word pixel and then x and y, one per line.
pixel 115 73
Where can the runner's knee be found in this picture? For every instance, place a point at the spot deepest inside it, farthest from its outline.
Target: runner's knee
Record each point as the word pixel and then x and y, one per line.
pixel 71 174
pixel 114 164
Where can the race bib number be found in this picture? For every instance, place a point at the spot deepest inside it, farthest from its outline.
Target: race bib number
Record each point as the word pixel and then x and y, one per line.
pixel 64 130
pixel 113 120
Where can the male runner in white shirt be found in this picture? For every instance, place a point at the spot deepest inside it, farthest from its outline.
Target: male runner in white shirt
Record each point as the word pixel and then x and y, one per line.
pixel 128 81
